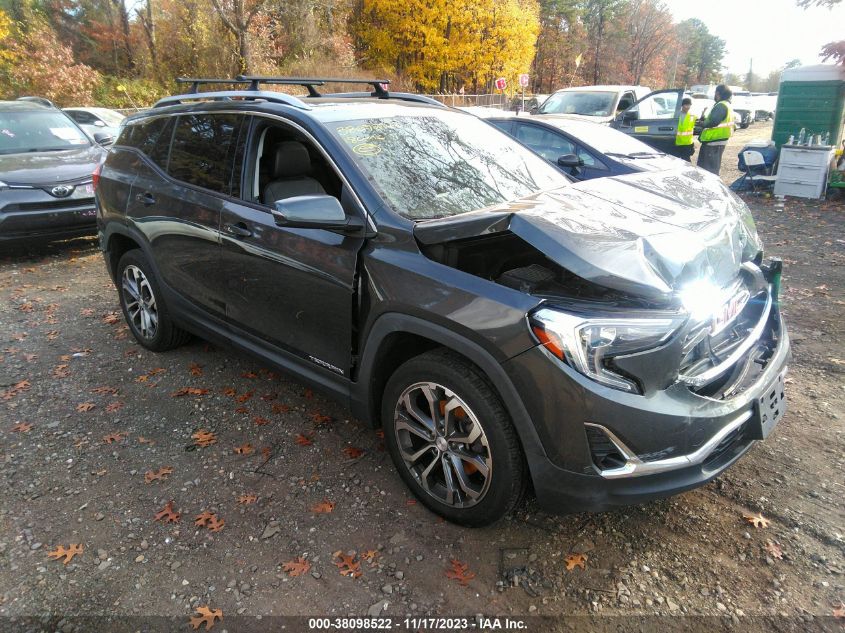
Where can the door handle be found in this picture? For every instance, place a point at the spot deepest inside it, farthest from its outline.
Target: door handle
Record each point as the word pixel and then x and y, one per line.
pixel 666 129
pixel 237 230
pixel 145 198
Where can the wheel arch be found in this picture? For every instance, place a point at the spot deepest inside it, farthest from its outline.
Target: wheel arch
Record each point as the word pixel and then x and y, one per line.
pixel 118 240
pixel 395 338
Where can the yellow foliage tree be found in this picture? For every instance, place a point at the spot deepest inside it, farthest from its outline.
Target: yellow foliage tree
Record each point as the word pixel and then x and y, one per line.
pixel 446 45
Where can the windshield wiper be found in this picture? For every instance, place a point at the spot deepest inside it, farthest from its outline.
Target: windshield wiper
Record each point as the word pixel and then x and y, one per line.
pixel 636 154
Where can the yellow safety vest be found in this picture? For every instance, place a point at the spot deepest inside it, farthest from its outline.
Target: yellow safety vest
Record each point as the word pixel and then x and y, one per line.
pixel 686 125
pixel 721 132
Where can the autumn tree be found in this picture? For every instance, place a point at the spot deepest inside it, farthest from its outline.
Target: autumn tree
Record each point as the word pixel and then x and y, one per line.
pixel 238 16
pixel 649 31
pixel 597 15
pixel 561 41
pixel 701 59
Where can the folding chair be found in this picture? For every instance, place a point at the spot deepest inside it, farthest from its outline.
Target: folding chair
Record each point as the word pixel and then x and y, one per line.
pixel 754 159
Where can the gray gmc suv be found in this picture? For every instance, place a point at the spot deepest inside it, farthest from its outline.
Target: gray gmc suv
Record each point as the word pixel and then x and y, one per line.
pixel 46 162
pixel 602 343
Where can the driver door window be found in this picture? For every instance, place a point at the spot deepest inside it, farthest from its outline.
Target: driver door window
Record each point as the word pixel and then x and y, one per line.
pixel 657 106
pixel 548 144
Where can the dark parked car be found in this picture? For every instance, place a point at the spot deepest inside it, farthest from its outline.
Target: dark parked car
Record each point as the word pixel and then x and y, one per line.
pixel 46 162
pixel 607 341
pixel 585 150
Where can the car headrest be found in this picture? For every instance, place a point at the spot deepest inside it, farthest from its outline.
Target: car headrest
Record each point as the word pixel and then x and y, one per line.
pixel 292 160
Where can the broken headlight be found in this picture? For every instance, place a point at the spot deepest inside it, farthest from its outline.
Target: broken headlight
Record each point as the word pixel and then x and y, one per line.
pixel 590 344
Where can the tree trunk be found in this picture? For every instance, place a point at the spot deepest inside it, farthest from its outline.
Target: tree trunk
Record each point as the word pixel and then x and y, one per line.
pixel 127 45
pixel 148 22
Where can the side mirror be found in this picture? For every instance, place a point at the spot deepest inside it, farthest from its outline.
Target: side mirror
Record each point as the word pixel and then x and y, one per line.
pixel 570 161
pixel 534 109
pixel 99 123
pixel 103 138
pixel 629 115
pixel 312 212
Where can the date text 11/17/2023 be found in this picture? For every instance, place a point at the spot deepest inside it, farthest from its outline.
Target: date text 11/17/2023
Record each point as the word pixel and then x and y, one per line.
pixel 475 623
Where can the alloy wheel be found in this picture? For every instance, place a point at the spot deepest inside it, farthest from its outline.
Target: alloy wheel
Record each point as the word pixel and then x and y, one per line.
pixel 140 301
pixel 443 444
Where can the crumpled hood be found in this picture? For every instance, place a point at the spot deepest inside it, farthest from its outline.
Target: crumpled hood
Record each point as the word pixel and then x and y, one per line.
pixel 647 234
pixel 44 168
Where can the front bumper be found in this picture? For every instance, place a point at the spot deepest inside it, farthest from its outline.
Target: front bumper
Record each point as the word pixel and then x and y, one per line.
pixel 670 440
pixel 32 214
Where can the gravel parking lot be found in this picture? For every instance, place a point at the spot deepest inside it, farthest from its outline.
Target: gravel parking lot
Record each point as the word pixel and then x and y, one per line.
pixel 99 437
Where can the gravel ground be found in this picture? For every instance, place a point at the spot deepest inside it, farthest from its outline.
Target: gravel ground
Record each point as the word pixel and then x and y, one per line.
pixel 86 414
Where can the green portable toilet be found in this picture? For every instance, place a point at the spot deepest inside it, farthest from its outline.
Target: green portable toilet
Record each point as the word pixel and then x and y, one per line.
pixel 813 98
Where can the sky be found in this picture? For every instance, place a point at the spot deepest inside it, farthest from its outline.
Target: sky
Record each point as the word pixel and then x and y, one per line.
pixel 772 32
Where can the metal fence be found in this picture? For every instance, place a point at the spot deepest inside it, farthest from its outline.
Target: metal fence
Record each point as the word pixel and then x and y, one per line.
pixel 488 100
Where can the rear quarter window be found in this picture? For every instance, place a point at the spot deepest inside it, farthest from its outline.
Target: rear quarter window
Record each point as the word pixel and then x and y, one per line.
pixel 200 152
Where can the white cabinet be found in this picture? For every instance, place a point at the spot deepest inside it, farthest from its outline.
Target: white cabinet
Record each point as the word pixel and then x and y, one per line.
pixel 802 171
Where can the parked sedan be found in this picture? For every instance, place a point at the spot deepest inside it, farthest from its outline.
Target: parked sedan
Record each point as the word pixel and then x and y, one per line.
pixel 584 150
pixel 94 120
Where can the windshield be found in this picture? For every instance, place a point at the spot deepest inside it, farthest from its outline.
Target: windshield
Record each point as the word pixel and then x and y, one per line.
pixel 580 102
pixel 38 131
pixel 429 166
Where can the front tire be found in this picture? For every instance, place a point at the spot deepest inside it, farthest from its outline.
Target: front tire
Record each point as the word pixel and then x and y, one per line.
pixel 452 440
pixel 142 305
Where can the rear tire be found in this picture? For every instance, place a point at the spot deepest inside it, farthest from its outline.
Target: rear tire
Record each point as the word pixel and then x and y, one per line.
pixel 143 306
pixel 451 439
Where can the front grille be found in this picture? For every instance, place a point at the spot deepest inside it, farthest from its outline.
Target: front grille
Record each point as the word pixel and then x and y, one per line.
pixel 605 454
pixel 50 205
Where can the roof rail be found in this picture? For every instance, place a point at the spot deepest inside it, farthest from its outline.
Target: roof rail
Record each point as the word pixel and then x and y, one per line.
pixel 38 100
pixel 379 85
pixel 234 95
pixel 196 82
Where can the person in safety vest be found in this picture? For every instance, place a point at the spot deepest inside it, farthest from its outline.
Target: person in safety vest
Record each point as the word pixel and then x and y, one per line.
pixel 716 131
pixel 684 143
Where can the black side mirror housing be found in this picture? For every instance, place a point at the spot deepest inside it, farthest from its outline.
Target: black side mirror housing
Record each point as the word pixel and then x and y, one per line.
pixel 629 115
pixel 103 138
pixel 313 212
pixel 534 109
pixel 570 161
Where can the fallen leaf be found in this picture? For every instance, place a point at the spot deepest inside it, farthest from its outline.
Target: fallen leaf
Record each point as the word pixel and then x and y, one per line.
pixel 249 374
pixel 266 452
pixel 111 438
pixel 319 418
pixel 159 475
pixel 259 421
pixel 144 440
pixel 22 427
pixel 756 520
pixel 60 552
pixel 352 452
pixel 460 572
pixel 228 391
pixel 168 514
pixel 297 567
pixel 279 408
pixel 303 440
pixel 774 550
pixel 15 389
pixel 370 556
pixel 247 499
pixel 206 616
pixel 196 370
pixel 189 391
pixel 242 410
pixel 104 390
pixel 244 396
pixel 839 612
pixel 85 406
pixel 114 406
pixel 267 397
pixel 203 518
pixel 347 564
pixel 576 560
pixel 61 371
pixel 111 318
pixel 244 449
pixel 215 524
pixel 324 507
pixel 204 438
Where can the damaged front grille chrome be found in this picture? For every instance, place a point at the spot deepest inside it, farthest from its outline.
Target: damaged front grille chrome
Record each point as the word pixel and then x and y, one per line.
pixel 706 376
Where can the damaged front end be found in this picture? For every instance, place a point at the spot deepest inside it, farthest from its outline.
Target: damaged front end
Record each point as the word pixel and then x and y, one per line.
pixel 643 281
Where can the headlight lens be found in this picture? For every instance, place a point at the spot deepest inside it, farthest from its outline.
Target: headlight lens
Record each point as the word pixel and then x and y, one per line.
pixel 589 344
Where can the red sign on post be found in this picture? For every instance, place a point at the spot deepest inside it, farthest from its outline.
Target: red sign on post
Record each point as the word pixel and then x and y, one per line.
pixel 523 80
pixel 501 83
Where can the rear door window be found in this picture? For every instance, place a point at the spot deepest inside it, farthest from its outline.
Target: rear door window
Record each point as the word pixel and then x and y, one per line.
pixel 200 152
